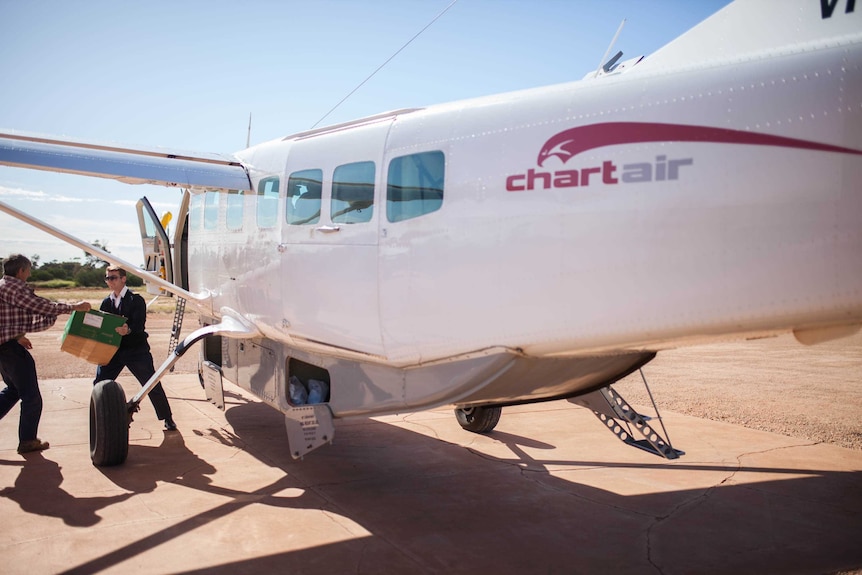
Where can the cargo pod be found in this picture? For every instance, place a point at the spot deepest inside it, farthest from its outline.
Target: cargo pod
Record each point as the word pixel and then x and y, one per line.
pixel 307 417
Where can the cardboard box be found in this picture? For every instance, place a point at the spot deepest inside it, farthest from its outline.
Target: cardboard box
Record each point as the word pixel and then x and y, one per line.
pixel 92 335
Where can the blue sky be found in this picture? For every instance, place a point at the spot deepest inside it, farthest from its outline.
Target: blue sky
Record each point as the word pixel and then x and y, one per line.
pixel 186 75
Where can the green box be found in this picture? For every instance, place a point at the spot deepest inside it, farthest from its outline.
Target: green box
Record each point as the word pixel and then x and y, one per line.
pixel 96 325
pixel 92 335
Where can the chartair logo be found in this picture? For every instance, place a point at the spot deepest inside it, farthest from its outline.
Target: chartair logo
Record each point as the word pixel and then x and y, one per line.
pixel 569 143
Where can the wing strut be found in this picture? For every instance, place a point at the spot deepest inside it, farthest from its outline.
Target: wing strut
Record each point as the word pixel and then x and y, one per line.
pixel 103 255
pixel 232 325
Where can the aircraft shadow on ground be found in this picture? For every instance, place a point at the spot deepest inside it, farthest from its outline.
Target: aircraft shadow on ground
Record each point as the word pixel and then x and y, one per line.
pixel 431 506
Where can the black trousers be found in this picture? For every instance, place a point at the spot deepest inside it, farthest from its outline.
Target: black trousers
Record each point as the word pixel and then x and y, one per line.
pixel 140 363
pixel 19 372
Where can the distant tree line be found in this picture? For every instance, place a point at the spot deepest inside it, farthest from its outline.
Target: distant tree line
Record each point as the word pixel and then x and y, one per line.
pixel 90 273
pixel 76 274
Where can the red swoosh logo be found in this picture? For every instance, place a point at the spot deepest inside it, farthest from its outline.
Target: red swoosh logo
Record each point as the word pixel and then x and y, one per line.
pixel 570 143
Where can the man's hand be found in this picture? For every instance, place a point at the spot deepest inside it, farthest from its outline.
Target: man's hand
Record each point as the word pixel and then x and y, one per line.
pixel 25 342
pixel 81 306
pixel 124 330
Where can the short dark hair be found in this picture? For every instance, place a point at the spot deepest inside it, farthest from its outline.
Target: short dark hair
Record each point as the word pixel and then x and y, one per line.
pixel 15 263
pixel 120 271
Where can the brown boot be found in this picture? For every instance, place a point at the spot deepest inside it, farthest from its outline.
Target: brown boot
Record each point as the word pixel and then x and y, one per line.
pixel 32 445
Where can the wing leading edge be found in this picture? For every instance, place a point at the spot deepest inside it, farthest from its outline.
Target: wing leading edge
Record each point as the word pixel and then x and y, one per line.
pixel 131 166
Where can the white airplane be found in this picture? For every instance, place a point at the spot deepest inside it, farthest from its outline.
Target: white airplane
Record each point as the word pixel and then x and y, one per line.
pixel 517 248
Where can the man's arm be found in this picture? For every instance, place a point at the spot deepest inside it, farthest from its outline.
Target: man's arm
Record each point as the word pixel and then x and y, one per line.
pixel 43 322
pixel 38 305
pixel 43 312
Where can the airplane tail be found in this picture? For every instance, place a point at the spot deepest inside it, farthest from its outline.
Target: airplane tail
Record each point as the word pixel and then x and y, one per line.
pixel 751 29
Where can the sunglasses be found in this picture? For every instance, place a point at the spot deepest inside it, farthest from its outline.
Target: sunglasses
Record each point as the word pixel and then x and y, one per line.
pixel 111 278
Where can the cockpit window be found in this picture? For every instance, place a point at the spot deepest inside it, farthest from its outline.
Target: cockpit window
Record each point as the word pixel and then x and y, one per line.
pixel 211 210
pixel 415 185
pixel 353 193
pixel 303 197
pixel 267 202
pixel 195 209
pixel 233 215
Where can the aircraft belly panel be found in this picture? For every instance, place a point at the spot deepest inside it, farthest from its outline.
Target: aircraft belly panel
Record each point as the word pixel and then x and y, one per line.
pixel 359 388
pixel 258 370
pixel 495 376
pixel 230 359
pixel 540 379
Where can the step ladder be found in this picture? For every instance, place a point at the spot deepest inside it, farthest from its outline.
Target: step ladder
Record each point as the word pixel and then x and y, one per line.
pixel 177 326
pixel 615 412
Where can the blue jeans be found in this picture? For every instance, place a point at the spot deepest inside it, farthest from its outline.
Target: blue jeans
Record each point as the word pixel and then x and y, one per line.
pixel 19 372
pixel 139 360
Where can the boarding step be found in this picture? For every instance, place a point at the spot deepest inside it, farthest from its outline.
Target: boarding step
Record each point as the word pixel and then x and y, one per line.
pixel 179 313
pixel 615 412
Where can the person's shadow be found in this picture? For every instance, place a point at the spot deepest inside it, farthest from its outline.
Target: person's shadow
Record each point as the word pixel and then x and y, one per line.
pixel 169 462
pixel 37 490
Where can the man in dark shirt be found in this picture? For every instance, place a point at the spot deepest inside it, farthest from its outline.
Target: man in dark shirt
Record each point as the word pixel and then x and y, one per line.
pixel 134 351
pixel 21 312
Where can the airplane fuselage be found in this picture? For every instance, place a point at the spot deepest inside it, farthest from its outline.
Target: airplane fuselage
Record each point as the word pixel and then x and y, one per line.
pixel 596 221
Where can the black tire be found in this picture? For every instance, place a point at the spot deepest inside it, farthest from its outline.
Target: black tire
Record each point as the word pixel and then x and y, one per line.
pixel 478 419
pixel 109 424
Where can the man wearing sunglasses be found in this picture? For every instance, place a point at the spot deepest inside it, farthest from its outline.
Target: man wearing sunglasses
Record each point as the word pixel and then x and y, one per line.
pixel 134 351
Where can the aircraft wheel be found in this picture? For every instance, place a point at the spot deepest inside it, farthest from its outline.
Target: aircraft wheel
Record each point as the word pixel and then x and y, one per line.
pixel 479 419
pixel 109 424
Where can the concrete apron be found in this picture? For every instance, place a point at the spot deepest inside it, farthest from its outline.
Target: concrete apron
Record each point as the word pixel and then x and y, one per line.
pixel 549 491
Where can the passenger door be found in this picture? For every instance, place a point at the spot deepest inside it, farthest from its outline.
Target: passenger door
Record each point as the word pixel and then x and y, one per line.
pixel 330 236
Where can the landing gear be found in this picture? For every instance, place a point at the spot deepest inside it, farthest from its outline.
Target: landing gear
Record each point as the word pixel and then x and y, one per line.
pixel 109 424
pixel 478 419
pixel 110 415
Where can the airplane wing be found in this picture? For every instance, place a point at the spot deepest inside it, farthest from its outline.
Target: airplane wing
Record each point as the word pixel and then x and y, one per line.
pixel 131 166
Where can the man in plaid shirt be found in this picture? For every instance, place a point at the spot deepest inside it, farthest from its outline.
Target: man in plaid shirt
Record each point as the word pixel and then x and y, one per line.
pixel 21 312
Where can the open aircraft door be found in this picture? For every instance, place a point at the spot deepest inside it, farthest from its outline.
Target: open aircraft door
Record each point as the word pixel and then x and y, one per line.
pixel 154 240
pixel 181 243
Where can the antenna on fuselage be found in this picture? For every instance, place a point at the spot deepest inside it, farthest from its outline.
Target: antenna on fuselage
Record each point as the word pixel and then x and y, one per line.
pixel 437 17
pixel 248 136
pixel 608 51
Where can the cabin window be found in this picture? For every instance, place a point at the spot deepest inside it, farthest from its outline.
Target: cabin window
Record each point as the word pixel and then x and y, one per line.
pixel 303 197
pixel 211 210
pixel 352 193
pixel 195 206
pixel 233 214
pixel 415 186
pixel 267 202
